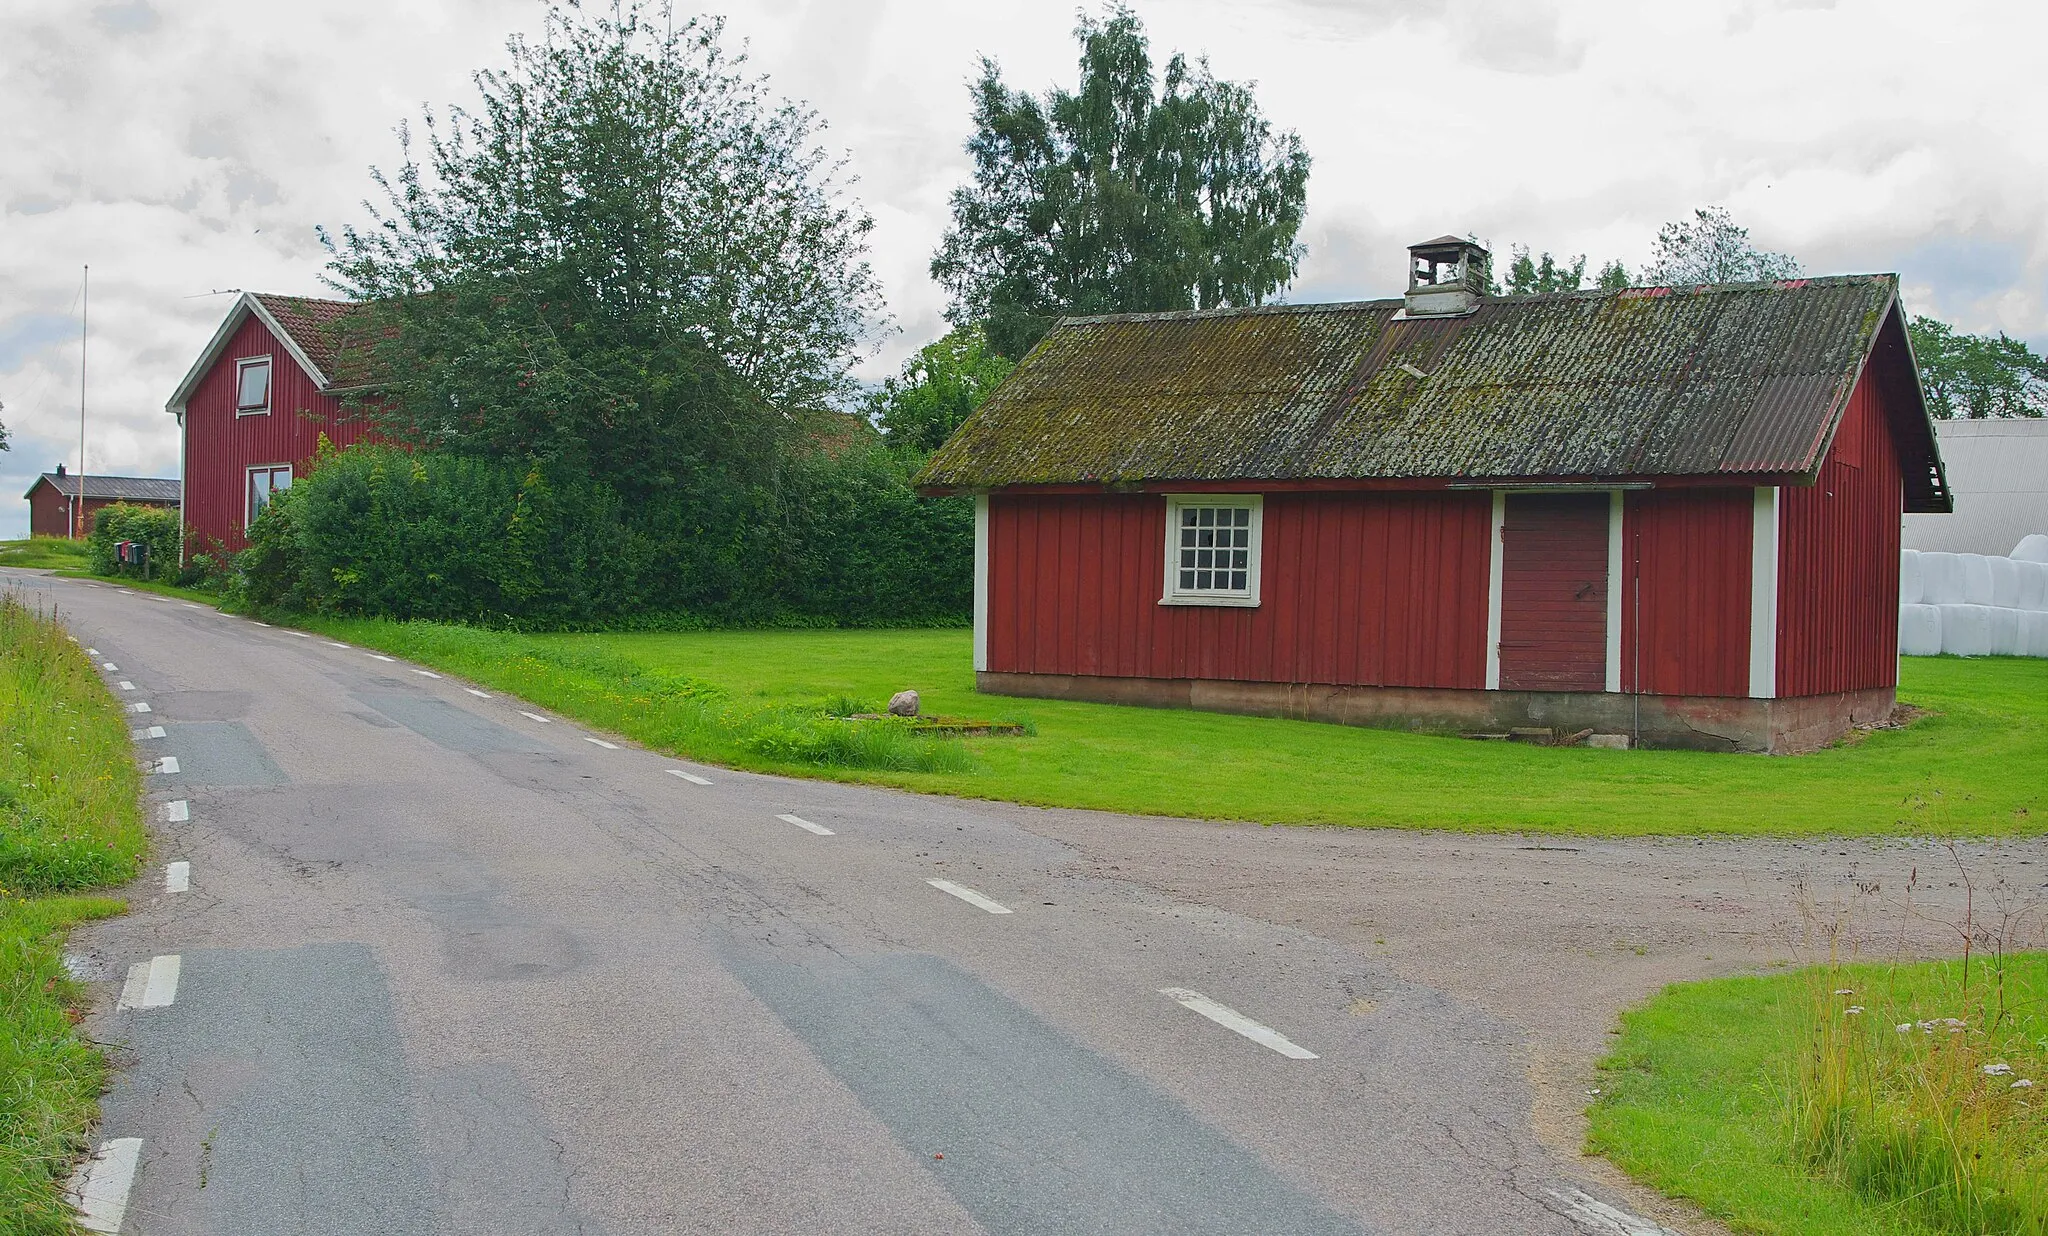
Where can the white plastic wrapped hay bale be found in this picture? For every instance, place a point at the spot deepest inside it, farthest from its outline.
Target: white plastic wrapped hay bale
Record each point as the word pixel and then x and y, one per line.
pixel 2032 548
pixel 1966 630
pixel 2005 632
pixel 2033 584
pixel 1976 579
pixel 1941 578
pixel 2033 632
pixel 1909 577
pixel 1920 630
pixel 2005 582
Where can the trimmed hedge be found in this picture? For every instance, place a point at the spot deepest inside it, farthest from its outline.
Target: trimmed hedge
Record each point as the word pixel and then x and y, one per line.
pixel 375 531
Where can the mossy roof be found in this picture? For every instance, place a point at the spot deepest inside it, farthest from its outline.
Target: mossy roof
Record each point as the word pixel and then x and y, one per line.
pixel 1738 379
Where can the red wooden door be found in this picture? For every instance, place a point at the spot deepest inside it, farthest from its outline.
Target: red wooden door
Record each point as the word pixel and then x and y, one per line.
pixel 1553 593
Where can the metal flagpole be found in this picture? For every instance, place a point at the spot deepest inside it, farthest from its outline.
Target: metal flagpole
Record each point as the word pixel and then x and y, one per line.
pixel 78 504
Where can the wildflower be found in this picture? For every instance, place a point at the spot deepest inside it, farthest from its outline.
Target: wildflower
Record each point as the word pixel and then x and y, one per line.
pixel 2024 1083
pixel 1854 1008
pixel 1844 991
pixel 1997 1070
pixel 1904 1027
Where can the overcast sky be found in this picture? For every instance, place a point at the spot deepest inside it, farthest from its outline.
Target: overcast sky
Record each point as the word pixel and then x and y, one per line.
pixel 182 148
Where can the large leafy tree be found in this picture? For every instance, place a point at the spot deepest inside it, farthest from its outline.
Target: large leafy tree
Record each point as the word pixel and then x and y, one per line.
pixel 1710 248
pixel 946 380
pixel 626 257
pixel 3 430
pixel 1128 193
pixel 1978 375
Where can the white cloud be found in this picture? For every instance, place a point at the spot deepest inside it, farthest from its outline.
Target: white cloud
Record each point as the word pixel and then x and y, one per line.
pixel 181 148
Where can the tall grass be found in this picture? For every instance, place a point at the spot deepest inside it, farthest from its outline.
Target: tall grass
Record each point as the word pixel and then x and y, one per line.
pixel 1921 1089
pixel 45 553
pixel 70 818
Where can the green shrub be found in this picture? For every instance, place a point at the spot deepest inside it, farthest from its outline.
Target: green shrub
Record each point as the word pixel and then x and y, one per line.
pixel 841 539
pixel 156 527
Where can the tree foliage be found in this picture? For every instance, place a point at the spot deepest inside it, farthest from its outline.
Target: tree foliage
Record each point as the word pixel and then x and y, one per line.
pixel 948 378
pixel 1976 376
pixel 3 430
pixel 1710 248
pixel 1122 195
pixel 1531 276
pixel 628 257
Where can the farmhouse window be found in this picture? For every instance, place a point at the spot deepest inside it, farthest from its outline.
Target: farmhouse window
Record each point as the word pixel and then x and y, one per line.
pixel 252 386
pixel 264 482
pixel 1212 550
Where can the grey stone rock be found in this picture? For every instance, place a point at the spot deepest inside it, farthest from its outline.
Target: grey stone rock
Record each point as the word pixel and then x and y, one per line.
pixel 903 704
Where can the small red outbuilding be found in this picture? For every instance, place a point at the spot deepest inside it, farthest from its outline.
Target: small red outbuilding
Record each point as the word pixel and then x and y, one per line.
pixel 63 503
pixel 1666 513
pixel 252 409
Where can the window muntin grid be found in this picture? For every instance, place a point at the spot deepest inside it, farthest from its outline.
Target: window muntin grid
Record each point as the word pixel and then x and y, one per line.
pixel 1212 550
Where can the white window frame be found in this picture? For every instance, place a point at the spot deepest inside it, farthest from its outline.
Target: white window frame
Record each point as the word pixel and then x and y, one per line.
pixel 242 365
pixel 1173 593
pixel 249 488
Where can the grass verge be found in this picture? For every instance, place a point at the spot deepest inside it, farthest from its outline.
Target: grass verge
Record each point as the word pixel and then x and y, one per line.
pixel 45 553
pixel 70 819
pixel 1971 768
pixel 1877 1099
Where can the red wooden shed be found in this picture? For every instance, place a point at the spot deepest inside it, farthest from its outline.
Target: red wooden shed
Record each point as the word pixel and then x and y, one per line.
pixel 63 503
pixel 252 409
pixel 1670 514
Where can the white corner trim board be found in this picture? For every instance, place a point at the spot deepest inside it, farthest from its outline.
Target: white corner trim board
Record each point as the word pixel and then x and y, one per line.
pixel 1230 1019
pixel 99 1188
pixel 1495 555
pixel 1763 596
pixel 980 582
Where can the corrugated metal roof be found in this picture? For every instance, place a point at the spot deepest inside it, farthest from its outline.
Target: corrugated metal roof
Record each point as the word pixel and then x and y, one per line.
pixel 115 488
pixel 1737 379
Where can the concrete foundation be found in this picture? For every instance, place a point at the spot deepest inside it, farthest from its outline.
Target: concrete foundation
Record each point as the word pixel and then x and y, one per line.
pixel 1698 723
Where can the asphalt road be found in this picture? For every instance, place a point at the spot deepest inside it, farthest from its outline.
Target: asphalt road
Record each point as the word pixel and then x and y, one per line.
pixel 448 966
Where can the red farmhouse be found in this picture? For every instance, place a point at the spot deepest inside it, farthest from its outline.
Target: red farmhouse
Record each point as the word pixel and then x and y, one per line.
pixel 1666 513
pixel 252 409
pixel 54 495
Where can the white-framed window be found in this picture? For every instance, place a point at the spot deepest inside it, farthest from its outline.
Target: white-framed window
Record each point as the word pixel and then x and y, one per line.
pixel 266 480
pixel 1212 549
pixel 252 386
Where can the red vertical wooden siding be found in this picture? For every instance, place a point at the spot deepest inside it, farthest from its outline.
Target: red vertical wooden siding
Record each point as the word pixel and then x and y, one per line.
pixel 1685 604
pixel 1356 590
pixel 1838 559
pixel 220 447
pixel 1553 592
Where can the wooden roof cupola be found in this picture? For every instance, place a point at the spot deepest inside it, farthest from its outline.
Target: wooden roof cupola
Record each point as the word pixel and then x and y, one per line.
pixel 1446 277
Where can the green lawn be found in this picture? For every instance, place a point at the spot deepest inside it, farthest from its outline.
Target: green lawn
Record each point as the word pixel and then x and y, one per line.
pixel 1713 1088
pixel 1974 767
pixel 44 553
pixel 70 819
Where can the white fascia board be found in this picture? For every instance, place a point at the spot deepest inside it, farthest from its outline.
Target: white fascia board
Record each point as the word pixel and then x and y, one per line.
pixel 210 355
pixel 981 548
pixel 1763 595
pixel 1493 576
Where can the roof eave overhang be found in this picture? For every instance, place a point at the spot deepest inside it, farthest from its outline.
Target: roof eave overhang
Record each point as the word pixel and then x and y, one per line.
pixel 249 305
pixel 1421 484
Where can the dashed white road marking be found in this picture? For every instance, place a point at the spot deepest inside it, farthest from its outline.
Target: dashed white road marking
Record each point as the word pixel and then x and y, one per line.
pixel 300 634
pixel 1230 1019
pixel 124 592
pixel 1594 1215
pixel 381 657
pixel 969 896
pixel 125 685
pixel 168 764
pixel 90 652
pixel 110 667
pixel 146 732
pixel 806 825
pixel 690 777
pixel 151 984
pixel 260 624
pixel 534 716
pixel 178 877
pixel 99 1188
pixel 331 644
pixel 189 605
pixel 426 673
pixel 177 811
pixel 482 695
pixel 143 707
pixel 609 746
